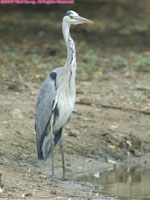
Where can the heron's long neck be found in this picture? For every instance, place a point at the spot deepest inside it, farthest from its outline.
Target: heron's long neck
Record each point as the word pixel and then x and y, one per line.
pixel 71 51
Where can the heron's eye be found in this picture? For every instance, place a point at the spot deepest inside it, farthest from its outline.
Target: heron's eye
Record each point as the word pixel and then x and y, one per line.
pixel 71 17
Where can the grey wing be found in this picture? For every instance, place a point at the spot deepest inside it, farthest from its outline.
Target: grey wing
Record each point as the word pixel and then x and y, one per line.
pixel 44 107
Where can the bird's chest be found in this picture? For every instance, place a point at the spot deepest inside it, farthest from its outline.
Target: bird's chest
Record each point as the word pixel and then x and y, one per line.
pixel 65 105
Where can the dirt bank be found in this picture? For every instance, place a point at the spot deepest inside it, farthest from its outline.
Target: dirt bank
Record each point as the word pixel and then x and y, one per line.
pixel 104 135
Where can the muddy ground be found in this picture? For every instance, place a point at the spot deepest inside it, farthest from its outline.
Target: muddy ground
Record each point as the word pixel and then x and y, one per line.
pixel 110 123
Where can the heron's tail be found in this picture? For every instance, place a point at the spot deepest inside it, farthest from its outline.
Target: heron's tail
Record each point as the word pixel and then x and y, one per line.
pixel 46 149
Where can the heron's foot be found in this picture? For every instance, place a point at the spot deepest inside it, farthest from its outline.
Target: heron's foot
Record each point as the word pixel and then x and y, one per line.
pixel 53 180
pixel 64 178
pixel 53 177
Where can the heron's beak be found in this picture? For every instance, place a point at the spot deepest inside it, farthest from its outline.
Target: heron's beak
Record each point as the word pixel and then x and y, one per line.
pixel 84 20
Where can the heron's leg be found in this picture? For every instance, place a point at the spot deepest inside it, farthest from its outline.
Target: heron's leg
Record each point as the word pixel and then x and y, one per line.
pixel 53 174
pixel 62 155
pixel 52 144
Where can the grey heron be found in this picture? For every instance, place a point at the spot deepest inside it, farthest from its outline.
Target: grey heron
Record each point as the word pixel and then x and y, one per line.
pixel 56 99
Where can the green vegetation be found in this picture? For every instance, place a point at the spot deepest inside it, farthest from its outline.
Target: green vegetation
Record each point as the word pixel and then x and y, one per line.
pixel 142 62
pixel 118 41
pixel 119 62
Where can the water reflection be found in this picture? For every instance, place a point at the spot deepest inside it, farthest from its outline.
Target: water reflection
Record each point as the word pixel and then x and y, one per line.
pixel 125 183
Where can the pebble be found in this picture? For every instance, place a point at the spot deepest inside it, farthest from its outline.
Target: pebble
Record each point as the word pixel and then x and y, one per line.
pixel 42 176
pixel 16 113
pixel 74 133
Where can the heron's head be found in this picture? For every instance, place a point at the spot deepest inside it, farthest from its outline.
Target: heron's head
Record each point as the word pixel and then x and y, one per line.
pixel 71 17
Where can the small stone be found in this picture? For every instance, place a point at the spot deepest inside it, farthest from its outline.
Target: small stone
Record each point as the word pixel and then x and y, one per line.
pixel 53 192
pixel 74 133
pixel 41 33
pixel 43 176
pixel 4 122
pixel 16 113
pixel 1 190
